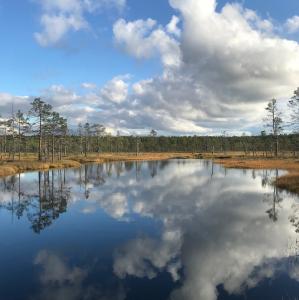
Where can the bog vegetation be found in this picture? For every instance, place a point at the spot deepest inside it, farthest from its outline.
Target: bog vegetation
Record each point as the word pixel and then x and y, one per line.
pixel 45 132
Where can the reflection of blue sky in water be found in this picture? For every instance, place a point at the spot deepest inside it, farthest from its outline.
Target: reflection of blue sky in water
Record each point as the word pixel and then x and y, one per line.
pixel 203 227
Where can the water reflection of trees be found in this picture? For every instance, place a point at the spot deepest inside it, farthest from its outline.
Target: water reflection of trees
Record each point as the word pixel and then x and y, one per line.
pixel 153 168
pixel 12 185
pixel 275 199
pixel 43 199
pixel 41 205
pixel 51 200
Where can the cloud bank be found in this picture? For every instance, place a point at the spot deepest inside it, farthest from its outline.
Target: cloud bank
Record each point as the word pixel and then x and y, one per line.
pixel 220 67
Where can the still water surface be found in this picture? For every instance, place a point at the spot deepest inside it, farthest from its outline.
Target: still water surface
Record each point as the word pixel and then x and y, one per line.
pixel 179 229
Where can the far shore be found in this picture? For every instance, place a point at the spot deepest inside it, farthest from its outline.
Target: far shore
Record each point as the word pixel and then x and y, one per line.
pixel 289 182
pixel 29 163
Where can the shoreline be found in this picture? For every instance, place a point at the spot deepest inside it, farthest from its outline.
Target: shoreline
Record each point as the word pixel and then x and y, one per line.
pixel 10 168
pixel 288 182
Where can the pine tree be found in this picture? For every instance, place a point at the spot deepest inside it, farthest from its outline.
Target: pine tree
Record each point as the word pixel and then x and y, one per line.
pixel 41 111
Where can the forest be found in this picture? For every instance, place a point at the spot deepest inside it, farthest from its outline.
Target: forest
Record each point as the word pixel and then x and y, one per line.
pixel 45 132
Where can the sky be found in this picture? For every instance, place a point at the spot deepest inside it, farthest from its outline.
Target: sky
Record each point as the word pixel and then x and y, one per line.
pixel 181 67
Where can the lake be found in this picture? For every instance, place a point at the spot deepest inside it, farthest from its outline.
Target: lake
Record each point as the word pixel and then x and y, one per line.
pixel 177 229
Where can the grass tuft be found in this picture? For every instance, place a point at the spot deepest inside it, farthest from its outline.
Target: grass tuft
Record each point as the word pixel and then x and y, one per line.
pixel 289 182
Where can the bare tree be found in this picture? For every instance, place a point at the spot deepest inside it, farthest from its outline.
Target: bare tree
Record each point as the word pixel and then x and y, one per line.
pixel 153 133
pixel 98 131
pixel 23 125
pixel 273 121
pixel 13 133
pixel 55 127
pixel 137 145
pixel 4 126
pixel 294 106
pixel 87 132
pixel 80 133
pixel 10 129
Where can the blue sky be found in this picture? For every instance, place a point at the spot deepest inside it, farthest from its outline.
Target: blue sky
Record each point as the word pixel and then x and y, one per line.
pixel 130 72
pixel 89 56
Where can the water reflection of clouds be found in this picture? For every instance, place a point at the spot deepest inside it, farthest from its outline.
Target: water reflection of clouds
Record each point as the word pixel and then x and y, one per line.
pixel 221 230
pixel 60 281
pixel 115 204
pixel 215 228
pixel 145 257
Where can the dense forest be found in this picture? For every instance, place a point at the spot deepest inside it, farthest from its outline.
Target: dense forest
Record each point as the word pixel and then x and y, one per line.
pixel 43 131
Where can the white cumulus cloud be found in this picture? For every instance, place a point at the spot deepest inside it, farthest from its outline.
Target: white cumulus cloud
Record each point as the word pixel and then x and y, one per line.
pixel 292 24
pixel 220 67
pixel 115 90
pixel 143 39
pixel 229 63
pixel 60 17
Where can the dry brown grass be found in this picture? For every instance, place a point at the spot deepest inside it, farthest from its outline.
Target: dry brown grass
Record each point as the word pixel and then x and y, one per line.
pixel 289 182
pixel 106 157
pixel 11 168
pixel 285 164
pixel 30 163
pixel 249 155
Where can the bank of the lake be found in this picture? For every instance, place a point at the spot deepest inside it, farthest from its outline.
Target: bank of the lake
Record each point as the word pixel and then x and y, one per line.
pixel 236 160
pixel 289 182
pixel 30 163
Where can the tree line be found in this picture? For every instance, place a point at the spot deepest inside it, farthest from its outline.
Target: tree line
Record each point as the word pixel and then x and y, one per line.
pixel 45 132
